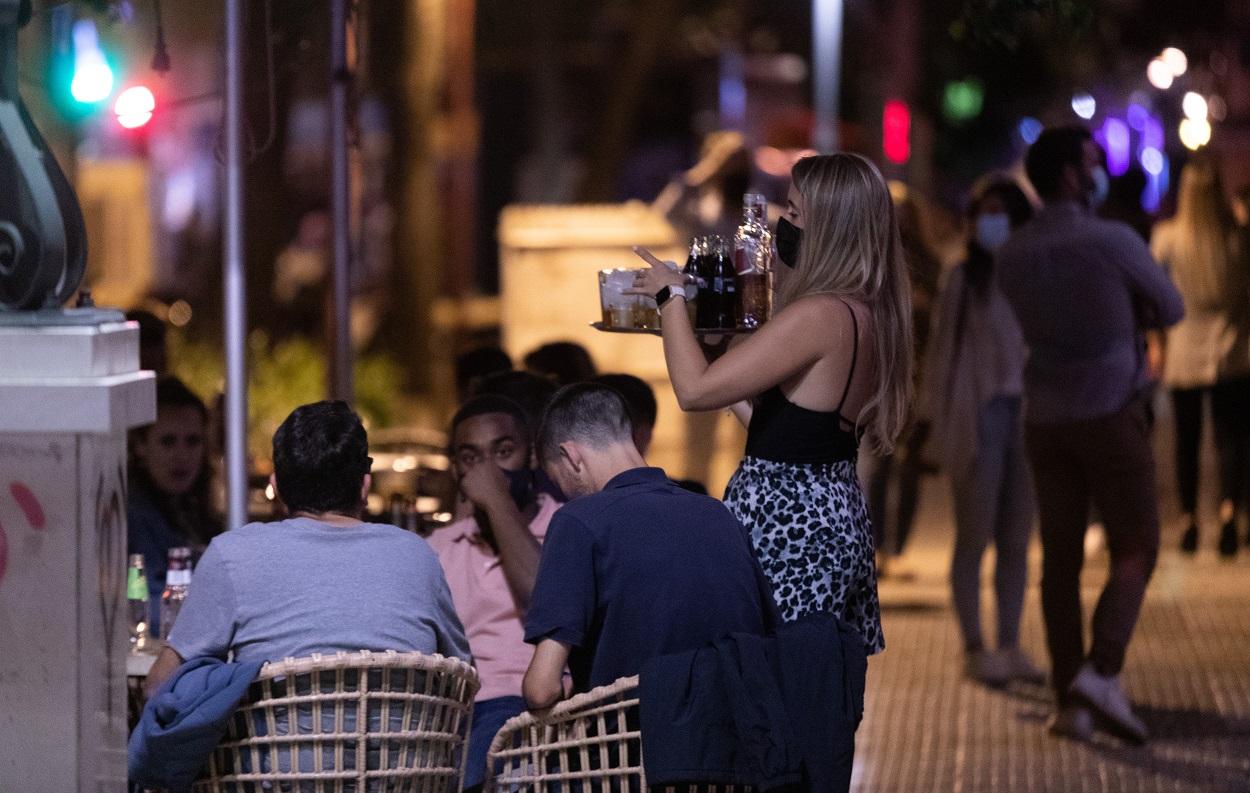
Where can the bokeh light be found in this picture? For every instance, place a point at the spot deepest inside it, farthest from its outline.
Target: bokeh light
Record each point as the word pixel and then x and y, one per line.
pixel 1176 61
pixel 1137 116
pixel 1084 105
pixel 1195 133
pixel 1217 107
pixel 93 78
pixel 1195 106
pixel 134 106
pixel 1152 161
pixel 1030 129
pixel 1160 74
pixel 1116 142
pixel 963 99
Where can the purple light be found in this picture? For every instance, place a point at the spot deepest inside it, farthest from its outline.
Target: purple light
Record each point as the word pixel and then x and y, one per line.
pixel 1152 134
pixel 1114 137
pixel 1137 116
pixel 1030 129
pixel 1156 183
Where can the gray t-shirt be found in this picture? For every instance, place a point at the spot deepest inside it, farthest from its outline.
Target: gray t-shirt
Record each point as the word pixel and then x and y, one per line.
pixel 269 591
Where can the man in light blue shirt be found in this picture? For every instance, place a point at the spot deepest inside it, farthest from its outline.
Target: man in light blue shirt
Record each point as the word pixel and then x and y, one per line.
pixel 322 580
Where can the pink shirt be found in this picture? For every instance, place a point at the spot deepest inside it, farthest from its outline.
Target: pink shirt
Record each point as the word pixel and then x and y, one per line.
pixel 493 623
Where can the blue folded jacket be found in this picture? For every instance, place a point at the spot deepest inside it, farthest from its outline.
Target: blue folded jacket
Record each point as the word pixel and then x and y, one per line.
pixel 184 721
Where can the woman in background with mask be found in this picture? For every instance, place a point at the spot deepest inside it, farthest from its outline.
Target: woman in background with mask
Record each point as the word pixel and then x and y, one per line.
pixel 974 384
pixel 833 364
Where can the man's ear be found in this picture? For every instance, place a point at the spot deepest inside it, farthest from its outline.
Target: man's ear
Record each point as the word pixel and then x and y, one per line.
pixel 273 483
pixel 365 486
pixel 570 452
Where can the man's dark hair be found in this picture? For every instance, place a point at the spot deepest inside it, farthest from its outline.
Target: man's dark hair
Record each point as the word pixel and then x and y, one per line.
pixel 585 412
pixel 531 392
pixel 492 403
pixel 639 397
pixel 565 362
pixel 477 364
pixel 1053 149
pixel 320 458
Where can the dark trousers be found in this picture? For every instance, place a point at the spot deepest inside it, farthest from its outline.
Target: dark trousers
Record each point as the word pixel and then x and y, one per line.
pixel 1105 463
pixel 905 466
pixel 1230 415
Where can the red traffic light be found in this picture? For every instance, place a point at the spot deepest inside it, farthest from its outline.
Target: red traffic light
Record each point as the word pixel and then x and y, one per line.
pixel 134 106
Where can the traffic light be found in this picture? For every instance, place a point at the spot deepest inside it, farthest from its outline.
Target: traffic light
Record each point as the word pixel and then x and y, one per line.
pixel 92 82
pixel 896 131
pixel 134 106
pixel 86 77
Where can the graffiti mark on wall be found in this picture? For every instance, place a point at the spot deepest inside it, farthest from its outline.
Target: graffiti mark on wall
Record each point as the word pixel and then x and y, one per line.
pixel 110 505
pixel 30 506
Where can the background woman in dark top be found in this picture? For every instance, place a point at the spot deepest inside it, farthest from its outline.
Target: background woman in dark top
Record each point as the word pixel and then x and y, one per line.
pixel 169 505
pixel 832 366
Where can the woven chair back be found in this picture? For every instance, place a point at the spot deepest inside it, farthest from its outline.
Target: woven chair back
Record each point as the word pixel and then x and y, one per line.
pixel 348 723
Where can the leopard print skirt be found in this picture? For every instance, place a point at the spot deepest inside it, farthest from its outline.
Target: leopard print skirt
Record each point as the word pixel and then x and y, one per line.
pixel 810 528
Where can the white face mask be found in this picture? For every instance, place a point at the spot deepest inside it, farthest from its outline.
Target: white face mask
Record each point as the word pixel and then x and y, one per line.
pixel 993 229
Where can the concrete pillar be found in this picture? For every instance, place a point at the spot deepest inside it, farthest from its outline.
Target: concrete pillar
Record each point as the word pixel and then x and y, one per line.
pixel 68 396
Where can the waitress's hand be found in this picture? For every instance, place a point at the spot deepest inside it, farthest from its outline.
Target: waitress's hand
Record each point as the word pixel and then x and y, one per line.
pixel 661 274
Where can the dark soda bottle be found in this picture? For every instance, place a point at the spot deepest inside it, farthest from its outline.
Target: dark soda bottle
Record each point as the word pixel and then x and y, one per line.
pixel 708 303
pixel 727 316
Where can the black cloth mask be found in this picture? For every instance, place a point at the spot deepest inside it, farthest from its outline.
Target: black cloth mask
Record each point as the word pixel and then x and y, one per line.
pixel 520 486
pixel 788 238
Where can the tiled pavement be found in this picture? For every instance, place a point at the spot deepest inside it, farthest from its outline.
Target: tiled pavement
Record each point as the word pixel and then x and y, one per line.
pixel 928 729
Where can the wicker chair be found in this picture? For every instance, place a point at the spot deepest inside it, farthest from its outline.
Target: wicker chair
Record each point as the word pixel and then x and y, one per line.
pixel 360 722
pixel 590 743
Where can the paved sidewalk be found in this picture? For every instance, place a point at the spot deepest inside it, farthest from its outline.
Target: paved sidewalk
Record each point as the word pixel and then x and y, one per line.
pixel 928 729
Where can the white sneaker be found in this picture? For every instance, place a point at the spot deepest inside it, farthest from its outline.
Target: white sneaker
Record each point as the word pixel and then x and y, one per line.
pixel 1073 721
pixel 1105 697
pixel 988 668
pixel 1020 667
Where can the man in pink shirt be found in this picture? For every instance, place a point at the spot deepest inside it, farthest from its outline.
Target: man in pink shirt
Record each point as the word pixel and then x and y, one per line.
pixel 490 559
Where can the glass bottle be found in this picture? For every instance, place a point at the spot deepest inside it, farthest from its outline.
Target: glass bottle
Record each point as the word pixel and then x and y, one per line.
pixel 722 255
pixel 137 601
pixel 691 274
pixel 753 260
pixel 177 582
pixel 707 304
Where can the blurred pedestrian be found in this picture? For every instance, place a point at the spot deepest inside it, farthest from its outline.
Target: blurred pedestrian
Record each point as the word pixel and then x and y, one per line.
pixel 476 365
pixel 975 387
pixel 169 504
pixel 1208 352
pixel 1082 289
pixel 640 399
pixel 894 483
pixel 832 364
pixel 564 362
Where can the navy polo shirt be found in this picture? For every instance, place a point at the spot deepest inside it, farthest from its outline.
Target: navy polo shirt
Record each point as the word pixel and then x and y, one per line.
pixel 644 568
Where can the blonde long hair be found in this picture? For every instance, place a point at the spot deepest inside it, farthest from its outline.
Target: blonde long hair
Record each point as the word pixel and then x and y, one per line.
pixel 1198 257
pixel 851 247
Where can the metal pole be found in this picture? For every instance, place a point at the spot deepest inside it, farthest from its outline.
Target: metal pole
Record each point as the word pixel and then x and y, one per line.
pixel 232 276
pixel 826 72
pixel 340 79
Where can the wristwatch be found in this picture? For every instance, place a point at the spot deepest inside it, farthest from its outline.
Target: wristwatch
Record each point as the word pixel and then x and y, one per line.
pixel 668 293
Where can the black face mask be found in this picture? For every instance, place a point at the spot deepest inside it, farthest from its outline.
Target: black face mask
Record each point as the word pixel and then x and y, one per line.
pixel 520 486
pixel 788 238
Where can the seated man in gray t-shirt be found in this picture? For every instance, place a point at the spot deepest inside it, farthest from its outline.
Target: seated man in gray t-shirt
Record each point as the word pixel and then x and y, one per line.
pixel 322 580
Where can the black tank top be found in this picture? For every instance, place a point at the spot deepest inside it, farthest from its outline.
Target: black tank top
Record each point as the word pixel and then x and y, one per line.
pixel 784 432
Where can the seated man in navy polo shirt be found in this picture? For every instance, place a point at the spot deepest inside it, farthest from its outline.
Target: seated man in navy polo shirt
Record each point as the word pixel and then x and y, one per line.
pixel 632 567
